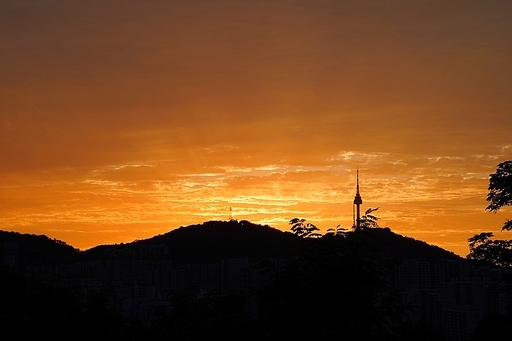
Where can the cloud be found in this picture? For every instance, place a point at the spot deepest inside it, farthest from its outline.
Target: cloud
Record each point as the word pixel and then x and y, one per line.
pixel 159 114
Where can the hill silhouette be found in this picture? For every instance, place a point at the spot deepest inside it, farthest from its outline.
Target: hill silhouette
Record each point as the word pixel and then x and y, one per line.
pixel 216 240
pixel 396 245
pixel 30 249
pixel 211 241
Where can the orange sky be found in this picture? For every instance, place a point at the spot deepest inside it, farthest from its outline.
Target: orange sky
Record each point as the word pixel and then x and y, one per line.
pixel 120 120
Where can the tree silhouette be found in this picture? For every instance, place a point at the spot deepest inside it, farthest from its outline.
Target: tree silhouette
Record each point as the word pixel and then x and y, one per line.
pixel 303 229
pixel 368 220
pixel 336 231
pixel 500 190
pixel 483 249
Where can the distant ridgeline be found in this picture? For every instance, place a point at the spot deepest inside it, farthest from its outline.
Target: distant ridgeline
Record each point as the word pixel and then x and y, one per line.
pixel 30 249
pixel 208 242
pixel 211 241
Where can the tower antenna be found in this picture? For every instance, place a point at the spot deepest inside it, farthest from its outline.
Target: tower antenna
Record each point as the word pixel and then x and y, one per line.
pixel 231 214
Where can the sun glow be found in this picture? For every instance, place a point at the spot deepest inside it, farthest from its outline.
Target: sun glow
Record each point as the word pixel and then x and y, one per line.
pixel 168 115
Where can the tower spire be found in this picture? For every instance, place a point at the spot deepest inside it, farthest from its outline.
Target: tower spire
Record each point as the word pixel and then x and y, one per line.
pixel 357 203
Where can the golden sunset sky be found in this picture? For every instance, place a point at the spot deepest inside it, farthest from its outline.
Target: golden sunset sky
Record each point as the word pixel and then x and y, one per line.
pixel 120 120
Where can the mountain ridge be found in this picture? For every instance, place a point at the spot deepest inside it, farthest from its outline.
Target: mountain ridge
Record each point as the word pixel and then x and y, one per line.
pixel 216 240
pixel 210 241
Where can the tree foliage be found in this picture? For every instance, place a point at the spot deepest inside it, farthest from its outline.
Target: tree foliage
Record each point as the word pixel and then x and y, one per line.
pixel 303 229
pixel 486 251
pixel 500 190
pixel 337 231
pixel 483 249
pixel 368 220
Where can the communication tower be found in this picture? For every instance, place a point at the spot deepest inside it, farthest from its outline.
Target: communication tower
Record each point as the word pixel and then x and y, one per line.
pixel 358 201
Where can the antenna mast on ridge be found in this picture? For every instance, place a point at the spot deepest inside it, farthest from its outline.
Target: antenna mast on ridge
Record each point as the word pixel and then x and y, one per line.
pixel 231 214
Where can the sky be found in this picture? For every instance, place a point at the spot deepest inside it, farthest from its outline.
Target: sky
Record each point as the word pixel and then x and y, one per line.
pixel 121 120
